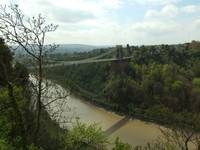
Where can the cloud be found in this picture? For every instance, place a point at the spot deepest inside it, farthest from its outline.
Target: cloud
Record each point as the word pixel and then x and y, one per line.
pixel 99 32
pixel 154 27
pixel 191 9
pixel 168 11
pixel 94 6
pixel 196 24
pixel 56 13
pixel 110 4
pixel 154 2
pixel 4 2
pixel 70 11
pixel 94 21
pixel 69 16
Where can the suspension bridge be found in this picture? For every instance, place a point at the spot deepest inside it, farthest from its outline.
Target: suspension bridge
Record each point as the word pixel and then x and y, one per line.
pixel 98 59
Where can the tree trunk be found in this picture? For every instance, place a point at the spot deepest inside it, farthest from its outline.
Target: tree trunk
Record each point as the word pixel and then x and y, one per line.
pixel 186 144
pixel 39 96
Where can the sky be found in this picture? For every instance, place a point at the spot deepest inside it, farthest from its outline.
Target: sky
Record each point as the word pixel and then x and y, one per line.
pixel 113 22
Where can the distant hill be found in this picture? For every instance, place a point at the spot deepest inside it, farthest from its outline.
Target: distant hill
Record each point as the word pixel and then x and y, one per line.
pixel 69 48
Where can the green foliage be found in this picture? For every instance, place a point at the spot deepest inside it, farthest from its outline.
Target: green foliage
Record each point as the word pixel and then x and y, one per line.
pixel 33 147
pixel 21 74
pixel 177 86
pixel 155 145
pixel 82 137
pixel 121 146
pixel 196 82
pixel 10 124
pixel 195 68
pixel 122 90
pixel 76 75
pixel 17 119
pixel 5 146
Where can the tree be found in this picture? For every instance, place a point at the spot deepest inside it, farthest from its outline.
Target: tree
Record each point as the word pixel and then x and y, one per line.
pixel 196 83
pixel 195 68
pixel 5 60
pixel 5 146
pixel 9 101
pixel 121 146
pixel 28 34
pixel 83 137
pixel 180 137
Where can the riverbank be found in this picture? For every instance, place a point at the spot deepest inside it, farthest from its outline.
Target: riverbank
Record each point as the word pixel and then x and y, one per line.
pixel 134 132
pixel 139 131
pixel 139 114
pixel 154 115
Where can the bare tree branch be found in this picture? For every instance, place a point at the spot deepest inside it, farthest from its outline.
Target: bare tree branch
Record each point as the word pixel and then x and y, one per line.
pixel 29 34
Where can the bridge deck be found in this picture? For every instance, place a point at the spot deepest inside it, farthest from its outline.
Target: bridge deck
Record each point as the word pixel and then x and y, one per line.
pixel 87 61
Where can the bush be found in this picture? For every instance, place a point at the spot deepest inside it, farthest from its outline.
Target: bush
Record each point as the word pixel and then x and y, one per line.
pixel 121 146
pixel 83 137
pixel 5 146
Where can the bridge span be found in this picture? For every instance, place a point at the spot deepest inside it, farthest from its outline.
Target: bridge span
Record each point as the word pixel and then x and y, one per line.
pixel 86 61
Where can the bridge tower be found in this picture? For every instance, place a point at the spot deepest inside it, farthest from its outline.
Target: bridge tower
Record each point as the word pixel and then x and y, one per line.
pixel 129 50
pixel 120 53
pixel 120 65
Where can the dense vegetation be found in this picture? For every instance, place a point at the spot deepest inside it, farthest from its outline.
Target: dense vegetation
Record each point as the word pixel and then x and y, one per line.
pixel 160 83
pixel 127 87
pixel 17 118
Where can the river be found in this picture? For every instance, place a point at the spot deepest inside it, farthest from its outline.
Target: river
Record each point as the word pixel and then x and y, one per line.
pixel 134 132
